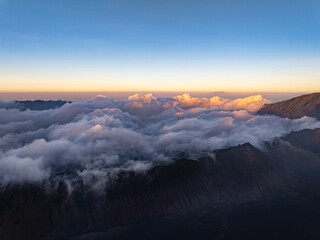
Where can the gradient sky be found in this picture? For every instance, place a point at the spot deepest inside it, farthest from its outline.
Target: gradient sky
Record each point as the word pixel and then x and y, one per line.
pixel 167 45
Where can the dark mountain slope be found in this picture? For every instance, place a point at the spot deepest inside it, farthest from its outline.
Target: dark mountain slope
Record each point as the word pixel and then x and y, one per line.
pixel 306 105
pixel 31 212
pixel 298 156
pixel 307 139
pixel 291 213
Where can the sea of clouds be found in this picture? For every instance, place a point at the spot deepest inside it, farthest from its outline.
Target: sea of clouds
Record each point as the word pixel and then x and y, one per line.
pixel 92 140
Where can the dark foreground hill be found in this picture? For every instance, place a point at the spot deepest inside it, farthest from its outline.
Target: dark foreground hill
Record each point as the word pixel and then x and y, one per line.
pixel 29 212
pixel 306 105
pixel 241 193
pixel 307 139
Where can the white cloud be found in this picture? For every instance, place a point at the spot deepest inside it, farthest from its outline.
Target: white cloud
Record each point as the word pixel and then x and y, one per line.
pixel 92 140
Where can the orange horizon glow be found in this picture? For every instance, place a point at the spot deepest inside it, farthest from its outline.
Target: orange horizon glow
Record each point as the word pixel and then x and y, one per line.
pixel 72 88
pixel 187 84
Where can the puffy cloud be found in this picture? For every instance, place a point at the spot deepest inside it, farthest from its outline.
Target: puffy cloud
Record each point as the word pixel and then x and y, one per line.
pixel 252 103
pixel 94 139
pixel 147 98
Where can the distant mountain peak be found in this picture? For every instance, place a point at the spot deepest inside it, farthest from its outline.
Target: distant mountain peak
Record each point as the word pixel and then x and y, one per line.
pixel 40 105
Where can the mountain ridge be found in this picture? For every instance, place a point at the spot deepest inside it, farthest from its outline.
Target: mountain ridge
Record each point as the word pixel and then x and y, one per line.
pixel 305 105
pixel 135 197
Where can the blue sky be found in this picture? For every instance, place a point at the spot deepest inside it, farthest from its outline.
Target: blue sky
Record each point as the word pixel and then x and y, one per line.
pixel 159 45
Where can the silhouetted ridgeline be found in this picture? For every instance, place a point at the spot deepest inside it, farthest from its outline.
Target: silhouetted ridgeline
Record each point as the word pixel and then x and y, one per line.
pixel 235 176
pixel 37 105
pixel 284 173
pixel 28 212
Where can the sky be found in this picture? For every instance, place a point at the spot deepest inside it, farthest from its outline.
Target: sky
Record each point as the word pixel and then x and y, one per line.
pixel 168 45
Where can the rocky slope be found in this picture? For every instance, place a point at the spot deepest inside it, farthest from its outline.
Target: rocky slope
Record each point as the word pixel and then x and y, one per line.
pixel 306 105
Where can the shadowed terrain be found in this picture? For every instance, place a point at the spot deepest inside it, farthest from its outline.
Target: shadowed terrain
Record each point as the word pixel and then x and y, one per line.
pixel 211 197
pixel 239 172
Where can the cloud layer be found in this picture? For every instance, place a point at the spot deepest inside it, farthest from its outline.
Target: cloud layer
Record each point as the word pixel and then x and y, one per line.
pixel 92 140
